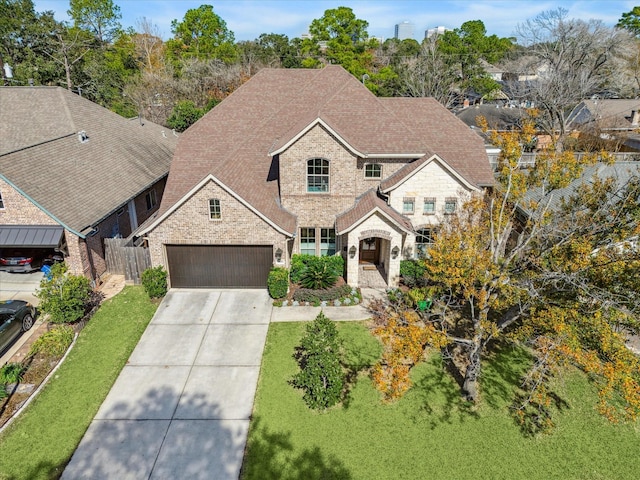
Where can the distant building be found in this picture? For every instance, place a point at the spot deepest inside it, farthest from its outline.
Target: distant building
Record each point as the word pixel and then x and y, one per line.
pixel 435 31
pixel 404 30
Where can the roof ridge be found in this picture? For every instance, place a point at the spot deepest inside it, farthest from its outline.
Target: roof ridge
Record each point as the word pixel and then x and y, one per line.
pixel 66 108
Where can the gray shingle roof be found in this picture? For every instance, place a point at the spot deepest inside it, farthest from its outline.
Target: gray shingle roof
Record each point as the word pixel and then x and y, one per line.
pixel 78 183
pixel 235 140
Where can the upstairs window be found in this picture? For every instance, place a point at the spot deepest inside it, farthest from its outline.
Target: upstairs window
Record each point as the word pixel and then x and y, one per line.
pixel 450 205
pixel 150 198
pixel 373 170
pixel 214 209
pixel 408 205
pixel 1 202
pixel 429 207
pixel 318 175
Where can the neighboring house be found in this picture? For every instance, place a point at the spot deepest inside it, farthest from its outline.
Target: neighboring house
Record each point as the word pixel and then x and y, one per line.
pixel 310 161
pixel 73 173
pixel 614 118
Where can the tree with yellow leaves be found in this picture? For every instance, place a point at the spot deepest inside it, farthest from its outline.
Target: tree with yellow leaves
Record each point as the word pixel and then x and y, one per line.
pixel 547 260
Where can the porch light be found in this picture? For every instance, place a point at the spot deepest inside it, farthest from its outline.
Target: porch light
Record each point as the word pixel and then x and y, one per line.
pixel 279 255
pixel 352 251
pixel 395 252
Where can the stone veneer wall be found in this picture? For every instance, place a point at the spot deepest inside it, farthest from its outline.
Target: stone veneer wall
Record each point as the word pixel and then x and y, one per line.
pixel 190 224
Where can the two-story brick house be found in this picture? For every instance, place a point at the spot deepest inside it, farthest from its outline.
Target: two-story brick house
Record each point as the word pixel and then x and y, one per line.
pixel 310 161
pixel 73 173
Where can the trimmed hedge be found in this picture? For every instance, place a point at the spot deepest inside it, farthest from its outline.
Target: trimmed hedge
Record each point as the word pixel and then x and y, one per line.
pixel 154 281
pixel 278 282
pixel 412 272
pixel 326 295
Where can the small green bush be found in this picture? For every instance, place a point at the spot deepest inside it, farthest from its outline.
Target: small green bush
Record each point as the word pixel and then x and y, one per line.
pixel 54 342
pixel 154 281
pixel 11 373
pixel 325 295
pixel 321 375
pixel 300 262
pixel 278 282
pixel 64 297
pixel 412 272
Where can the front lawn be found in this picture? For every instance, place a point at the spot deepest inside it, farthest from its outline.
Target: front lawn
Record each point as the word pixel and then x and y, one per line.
pixel 430 433
pixel 41 441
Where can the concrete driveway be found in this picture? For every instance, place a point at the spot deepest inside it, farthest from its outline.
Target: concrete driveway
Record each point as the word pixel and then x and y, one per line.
pixel 20 286
pixel 181 406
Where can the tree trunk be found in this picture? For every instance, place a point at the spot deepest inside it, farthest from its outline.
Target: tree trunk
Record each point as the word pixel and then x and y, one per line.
pixel 470 385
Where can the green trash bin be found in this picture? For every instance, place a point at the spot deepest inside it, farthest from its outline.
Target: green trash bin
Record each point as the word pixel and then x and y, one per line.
pixel 424 304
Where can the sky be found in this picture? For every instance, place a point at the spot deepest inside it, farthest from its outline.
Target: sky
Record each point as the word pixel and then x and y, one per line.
pixel 247 19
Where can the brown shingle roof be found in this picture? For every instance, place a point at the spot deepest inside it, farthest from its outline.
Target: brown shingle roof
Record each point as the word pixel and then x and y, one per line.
pixel 78 183
pixel 365 204
pixel 235 141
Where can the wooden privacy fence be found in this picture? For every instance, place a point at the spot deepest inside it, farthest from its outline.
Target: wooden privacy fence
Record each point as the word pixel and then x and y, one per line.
pixel 127 260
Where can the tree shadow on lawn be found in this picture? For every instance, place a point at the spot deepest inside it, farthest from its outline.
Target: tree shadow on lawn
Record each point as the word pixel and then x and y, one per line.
pixel 502 374
pixel 439 395
pixel 271 456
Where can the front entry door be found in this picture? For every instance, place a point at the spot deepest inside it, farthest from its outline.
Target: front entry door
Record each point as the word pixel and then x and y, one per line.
pixel 369 250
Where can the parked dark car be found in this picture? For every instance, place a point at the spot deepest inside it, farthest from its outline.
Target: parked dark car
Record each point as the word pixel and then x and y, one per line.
pixel 16 316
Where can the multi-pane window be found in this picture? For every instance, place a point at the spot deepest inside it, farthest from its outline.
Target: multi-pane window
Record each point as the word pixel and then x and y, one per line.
pixel 214 209
pixel 317 175
pixel 373 170
pixel 424 240
pixel 408 205
pixel 429 207
pixel 150 198
pixel 450 204
pixel 308 241
pixel 1 202
pixel 327 241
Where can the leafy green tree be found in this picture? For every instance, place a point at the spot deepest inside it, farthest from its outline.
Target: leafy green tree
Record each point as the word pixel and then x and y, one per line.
pixel 202 34
pixel 631 21
pixel 467 46
pixel 184 114
pixel 100 17
pixel 321 376
pixel 339 37
pixel 63 296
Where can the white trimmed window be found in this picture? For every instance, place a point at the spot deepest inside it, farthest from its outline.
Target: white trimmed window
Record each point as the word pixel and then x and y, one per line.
pixel 424 240
pixel 408 205
pixel 1 202
pixel 214 209
pixel 318 175
pixel 327 241
pixel 450 205
pixel 429 207
pixel 150 198
pixel 373 170
pixel 308 241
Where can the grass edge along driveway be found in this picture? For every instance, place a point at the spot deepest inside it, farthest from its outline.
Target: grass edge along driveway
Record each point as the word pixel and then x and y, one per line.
pixel 430 432
pixel 40 443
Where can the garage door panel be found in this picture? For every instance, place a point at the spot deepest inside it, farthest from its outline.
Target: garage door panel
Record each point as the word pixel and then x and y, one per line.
pixel 219 266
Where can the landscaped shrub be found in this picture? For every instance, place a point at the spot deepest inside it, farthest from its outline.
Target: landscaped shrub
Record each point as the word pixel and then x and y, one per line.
pixel 64 297
pixel 324 295
pixel 300 262
pixel 318 275
pixel 11 373
pixel 154 281
pixel 321 375
pixel 278 282
pixel 54 342
pixel 412 272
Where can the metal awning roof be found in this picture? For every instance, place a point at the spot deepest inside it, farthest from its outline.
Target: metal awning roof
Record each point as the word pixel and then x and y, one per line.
pixel 36 236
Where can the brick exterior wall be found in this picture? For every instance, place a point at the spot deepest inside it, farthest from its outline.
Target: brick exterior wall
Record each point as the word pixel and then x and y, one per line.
pixel 190 225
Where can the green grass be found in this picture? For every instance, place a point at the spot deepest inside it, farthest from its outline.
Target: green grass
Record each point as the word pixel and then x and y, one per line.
pixel 429 433
pixel 41 441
